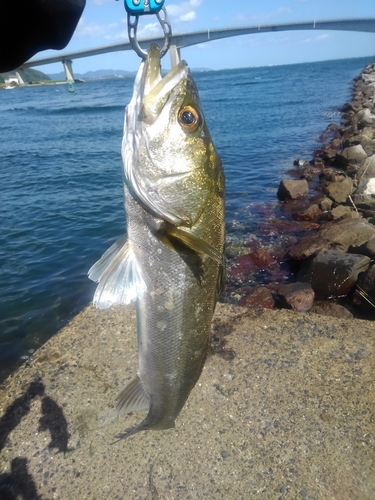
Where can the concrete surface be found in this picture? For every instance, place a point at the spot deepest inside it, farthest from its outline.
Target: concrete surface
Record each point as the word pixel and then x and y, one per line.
pixel 286 410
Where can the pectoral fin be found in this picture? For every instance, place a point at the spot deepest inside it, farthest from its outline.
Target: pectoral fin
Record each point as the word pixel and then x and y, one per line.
pixel 118 275
pixel 197 244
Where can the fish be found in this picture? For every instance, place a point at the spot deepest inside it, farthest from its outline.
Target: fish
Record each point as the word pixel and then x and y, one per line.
pixel 172 262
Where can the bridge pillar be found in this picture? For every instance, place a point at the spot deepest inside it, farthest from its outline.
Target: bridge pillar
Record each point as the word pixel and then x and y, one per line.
pixel 67 63
pixel 21 77
pixel 175 54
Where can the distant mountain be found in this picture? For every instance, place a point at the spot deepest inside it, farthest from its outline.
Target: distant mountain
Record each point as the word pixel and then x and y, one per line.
pixel 32 75
pixel 199 70
pixel 91 75
pixel 105 73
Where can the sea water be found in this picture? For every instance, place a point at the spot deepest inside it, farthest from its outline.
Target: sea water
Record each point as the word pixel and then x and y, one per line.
pixel 61 176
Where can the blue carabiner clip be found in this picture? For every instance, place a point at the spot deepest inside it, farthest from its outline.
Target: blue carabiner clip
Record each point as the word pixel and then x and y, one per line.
pixel 141 7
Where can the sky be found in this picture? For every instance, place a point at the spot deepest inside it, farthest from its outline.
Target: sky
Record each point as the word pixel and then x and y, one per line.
pixel 104 22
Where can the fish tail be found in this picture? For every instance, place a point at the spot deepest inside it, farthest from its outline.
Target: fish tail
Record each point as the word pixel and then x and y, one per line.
pixel 129 432
pixel 146 425
pixel 132 397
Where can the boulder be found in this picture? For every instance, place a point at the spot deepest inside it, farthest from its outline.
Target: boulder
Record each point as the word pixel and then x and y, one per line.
pixel 332 273
pixel 261 297
pixel 349 107
pixel 364 201
pixel 331 175
pixel 300 163
pixel 366 173
pixel 331 309
pixel 367 248
pixel 364 295
pixel 325 204
pixel 341 212
pixel 353 155
pixel 310 173
pixel 365 118
pixel 297 296
pixel 293 189
pixel 312 212
pixel 256 260
pixel 336 235
pixel 339 191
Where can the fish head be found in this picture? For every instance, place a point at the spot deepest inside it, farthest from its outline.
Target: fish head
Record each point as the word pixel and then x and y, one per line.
pixel 170 163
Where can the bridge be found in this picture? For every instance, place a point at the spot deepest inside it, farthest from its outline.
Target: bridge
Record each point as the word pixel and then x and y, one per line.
pixel 183 40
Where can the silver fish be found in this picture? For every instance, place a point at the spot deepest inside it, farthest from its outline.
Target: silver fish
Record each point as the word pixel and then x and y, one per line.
pixel 172 262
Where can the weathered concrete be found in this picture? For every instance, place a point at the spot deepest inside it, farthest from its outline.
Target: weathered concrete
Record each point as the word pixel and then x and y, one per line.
pixel 290 415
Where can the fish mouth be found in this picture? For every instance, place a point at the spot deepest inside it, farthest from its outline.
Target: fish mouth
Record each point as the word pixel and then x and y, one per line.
pixel 157 89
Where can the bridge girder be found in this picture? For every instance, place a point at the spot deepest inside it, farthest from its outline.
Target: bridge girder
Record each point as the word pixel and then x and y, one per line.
pixel 187 39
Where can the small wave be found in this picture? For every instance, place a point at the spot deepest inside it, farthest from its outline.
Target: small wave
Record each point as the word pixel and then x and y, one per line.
pixel 76 110
pixel 20 109
pixel 247 83
pixel 331 114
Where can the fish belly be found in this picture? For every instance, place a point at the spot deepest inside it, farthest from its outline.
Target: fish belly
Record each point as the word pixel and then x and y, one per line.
pixel 173 316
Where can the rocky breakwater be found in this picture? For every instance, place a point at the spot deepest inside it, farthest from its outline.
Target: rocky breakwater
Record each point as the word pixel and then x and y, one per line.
pixel 335 264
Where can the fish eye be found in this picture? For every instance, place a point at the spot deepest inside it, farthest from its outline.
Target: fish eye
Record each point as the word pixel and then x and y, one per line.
pixel 189 118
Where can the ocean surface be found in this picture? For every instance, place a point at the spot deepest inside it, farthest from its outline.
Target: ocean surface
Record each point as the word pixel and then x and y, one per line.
pixel 61 176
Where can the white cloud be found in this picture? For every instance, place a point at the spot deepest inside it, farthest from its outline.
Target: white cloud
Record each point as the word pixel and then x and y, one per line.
pixel 190 16
pixel 263 18
pixel 100 2
pixel 184 12
pixel 88 30
pixel 150 30
pixel 315 39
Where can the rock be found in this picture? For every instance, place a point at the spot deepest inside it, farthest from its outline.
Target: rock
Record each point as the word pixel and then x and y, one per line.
pixel 333 127
pixel 370 187
pixel 364 295
pixel 367 248
pixel 312 212
pixel 364 201
pixel 336 235
pixel 318 163
pixel 300 163
pixel 354 155
pixel 310 173
pixel 331 309
pixel 296 296
pixel 261 297
pixel 366 133
pixel 332 175
pixel 258 259
pixel 365 174
pixel 348 107
pixel 339 191
pixel 365 118
pixel 368 104
pixel 332 273
pixel 341 212
pixel 292 189
pixel 325 204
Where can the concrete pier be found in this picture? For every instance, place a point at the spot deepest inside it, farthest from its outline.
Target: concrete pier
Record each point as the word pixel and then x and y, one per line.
pixel 285 408
pixel 67 63
pixel 175 55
